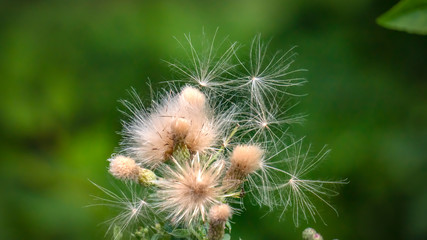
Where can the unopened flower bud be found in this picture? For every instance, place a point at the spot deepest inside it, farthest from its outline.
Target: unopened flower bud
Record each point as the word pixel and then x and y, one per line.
pixel 146 177
pixel 317 236
pixel 311 234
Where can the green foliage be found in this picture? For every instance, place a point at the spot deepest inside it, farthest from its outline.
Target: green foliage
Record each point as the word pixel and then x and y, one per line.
pixel 117 233
pixel 407 15
pixel 181 233
pixel 64 64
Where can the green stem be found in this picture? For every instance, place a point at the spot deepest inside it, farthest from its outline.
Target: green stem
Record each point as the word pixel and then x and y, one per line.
pixel 226 142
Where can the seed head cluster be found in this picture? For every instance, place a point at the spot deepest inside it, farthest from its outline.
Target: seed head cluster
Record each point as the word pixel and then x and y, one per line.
pixel 218 135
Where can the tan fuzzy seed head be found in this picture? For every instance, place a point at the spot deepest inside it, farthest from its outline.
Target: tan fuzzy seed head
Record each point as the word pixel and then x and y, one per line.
pixel 124 168
pixel 180 127
pixel 220 213
pixel 246 158
pixel 188 191
pixel 194 97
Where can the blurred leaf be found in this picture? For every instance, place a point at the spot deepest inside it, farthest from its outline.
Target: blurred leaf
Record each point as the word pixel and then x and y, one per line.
pixel 180 233
pixel 228 225
pixel 156 236
pixel 407 15
pixel 226 237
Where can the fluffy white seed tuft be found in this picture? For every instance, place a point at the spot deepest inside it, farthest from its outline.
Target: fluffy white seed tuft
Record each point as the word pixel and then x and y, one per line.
pixel 189 189
pixel 194 97
pixel 218 216
pixel 180 128
pixel 246 158
pixel 124 168
pixel 220 213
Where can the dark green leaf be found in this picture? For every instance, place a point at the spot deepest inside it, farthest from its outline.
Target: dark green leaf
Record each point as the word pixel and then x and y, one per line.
pixel 407 15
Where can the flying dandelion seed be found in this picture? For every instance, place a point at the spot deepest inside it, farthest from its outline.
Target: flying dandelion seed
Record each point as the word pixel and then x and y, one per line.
pixel 265 77
pixel 269 126
pixel 132 209
pixel 207 67
pixel 297 191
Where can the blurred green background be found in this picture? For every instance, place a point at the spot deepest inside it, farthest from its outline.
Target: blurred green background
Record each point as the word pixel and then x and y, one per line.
pixel 64 65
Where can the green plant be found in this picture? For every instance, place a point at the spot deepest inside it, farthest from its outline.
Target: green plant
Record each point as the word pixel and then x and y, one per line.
pixel 223 135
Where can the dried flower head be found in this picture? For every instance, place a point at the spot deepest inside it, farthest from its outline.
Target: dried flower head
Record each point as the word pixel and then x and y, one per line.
pixel 246 158
pixel 180 128
pixel 189 189
pixel 218 216
pixel 193 97
pixel 220 213
pixel 123 168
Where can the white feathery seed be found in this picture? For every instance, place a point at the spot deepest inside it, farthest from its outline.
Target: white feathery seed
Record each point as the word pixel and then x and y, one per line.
pixel 295 190
pixel 132 208
pixel 207 67
pixel 266 77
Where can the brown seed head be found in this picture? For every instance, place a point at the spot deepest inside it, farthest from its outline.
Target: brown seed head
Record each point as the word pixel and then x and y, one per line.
pixel 219 213
pixel 218 216
pixel 246 158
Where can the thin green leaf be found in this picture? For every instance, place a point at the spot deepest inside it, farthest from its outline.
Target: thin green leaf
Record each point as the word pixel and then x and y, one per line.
pixel 407 15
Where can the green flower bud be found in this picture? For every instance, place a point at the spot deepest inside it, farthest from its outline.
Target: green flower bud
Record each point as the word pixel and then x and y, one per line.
pixel 308 234
pixel 146 177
